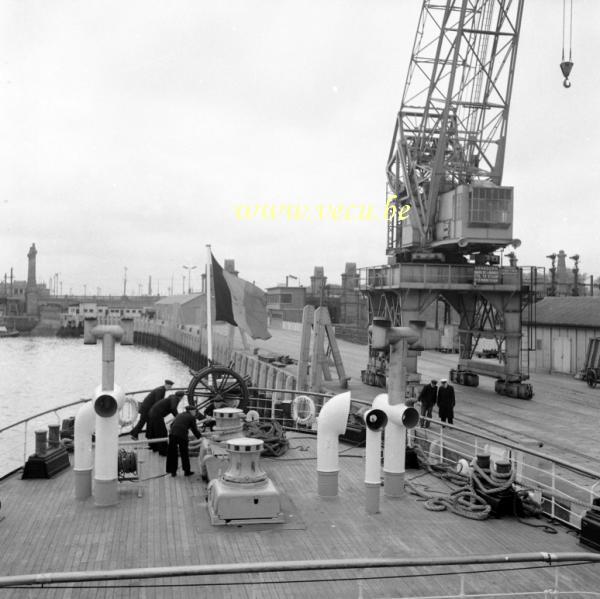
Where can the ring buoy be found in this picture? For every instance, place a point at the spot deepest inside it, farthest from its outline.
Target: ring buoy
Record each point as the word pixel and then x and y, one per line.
pixel 303 409
pixel 128 412
pixel 252 416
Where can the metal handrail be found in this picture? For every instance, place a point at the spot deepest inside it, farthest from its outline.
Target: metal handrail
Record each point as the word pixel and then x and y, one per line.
pixel 514 445
pixel 295 566
pixel 464 429
pixel 38 415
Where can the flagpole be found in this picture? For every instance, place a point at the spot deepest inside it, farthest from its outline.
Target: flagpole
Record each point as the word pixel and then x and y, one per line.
pixel 208 303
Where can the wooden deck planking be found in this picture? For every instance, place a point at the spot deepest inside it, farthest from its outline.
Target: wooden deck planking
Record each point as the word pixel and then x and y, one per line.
pixel 54 532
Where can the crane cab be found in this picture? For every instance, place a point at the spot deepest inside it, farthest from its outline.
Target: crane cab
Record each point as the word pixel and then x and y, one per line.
pixel 471 218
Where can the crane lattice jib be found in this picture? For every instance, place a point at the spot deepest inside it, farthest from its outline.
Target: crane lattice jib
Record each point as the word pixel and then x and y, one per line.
pixel 451 128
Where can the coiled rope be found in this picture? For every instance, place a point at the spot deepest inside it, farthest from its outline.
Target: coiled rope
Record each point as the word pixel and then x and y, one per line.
pixel 466 501
pixel 127 462
pixel 463 501
pixel 272 435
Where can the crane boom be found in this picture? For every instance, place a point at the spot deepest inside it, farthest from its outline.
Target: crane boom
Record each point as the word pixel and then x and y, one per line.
pixel 445 163
pixel 451 127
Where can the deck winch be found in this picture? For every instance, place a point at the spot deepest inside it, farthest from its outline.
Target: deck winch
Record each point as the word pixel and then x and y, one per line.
pixel 244 494
pixel 228 423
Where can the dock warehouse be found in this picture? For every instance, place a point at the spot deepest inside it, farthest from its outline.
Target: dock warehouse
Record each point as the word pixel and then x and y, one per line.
pixel 561 330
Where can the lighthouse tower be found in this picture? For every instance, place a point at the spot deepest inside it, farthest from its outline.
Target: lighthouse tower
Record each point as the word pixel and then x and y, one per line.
pixel 31 293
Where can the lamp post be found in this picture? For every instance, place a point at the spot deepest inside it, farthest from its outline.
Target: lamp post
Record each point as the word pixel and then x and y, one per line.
pixel 189 269
pixel 288 277
pixel 575 259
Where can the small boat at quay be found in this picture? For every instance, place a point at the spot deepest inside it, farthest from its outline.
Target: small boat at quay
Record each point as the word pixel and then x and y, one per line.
pixel 4 332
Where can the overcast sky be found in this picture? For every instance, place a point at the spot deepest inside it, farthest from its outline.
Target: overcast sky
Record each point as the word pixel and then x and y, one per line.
pixel 131 130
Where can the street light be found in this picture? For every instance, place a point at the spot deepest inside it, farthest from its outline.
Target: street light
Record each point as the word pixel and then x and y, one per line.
pixel 189 269
pixel 287 277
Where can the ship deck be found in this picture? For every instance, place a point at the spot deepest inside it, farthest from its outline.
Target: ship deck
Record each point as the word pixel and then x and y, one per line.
pixel 45 529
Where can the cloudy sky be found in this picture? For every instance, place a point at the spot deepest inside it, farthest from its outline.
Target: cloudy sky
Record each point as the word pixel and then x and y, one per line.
pixel 132 133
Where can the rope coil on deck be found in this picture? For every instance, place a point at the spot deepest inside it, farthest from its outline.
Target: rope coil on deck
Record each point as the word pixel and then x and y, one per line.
pixel 463 501
pixel 272 435
pixel 127 462
pixel 469 499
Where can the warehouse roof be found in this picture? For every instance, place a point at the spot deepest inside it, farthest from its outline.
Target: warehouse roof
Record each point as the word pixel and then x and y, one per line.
pixel 567 311
pixel 178 299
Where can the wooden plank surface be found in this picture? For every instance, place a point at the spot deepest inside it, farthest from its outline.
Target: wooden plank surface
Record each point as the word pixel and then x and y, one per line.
pixel 46 529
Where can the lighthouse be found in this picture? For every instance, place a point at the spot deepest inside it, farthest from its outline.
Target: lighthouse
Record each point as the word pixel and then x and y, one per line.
pixel 31 293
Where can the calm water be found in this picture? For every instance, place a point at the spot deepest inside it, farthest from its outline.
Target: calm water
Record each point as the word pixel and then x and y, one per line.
pixel 39 373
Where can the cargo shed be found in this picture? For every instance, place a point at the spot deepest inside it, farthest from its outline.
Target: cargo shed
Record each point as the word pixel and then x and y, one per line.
pixel 560 332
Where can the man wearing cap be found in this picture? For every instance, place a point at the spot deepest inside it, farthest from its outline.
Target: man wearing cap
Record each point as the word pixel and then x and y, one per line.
pixel 446 401
pixel 144 409
pixel 428 398
pixel 156 428
pixel 178 440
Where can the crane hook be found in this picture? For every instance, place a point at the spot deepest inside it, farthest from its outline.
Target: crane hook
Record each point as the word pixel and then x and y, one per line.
pixel 565 67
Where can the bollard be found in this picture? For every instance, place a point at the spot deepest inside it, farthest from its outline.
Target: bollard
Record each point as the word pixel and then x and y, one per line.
pixel 41 442
pixel 53 437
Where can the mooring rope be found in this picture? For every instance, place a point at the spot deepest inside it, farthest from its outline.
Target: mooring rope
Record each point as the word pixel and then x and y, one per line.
pixel 272 435
pixel 463 501
pixel 127 462
pixel 466 500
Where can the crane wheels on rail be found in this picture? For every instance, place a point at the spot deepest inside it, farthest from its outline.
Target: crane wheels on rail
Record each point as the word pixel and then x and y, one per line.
pixel 516 389
pixel 463 377
pixel 513 389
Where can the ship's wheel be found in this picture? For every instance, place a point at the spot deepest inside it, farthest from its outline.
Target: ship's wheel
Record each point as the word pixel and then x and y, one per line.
pixel 217 383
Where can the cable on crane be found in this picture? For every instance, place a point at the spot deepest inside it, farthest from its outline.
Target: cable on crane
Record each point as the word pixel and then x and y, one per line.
pixel 567 65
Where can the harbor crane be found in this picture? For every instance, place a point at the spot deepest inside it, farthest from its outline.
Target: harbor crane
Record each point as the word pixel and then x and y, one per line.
pixel 446 163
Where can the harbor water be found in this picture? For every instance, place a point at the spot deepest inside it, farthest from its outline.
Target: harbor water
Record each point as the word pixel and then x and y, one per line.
pixel 41 373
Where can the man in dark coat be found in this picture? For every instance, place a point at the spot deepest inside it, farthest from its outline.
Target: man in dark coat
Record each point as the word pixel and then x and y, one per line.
pixel 144 409
pixel 178 440
pixel 428 398
pixel 156 428
pixel 446 401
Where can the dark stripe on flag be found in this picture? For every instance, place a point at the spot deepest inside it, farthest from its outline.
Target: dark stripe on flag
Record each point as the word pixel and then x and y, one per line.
pixel 223 305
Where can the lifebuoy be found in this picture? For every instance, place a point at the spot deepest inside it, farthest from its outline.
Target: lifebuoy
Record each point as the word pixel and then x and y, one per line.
pixel 252 416
pixel 303 404
pixel 128 412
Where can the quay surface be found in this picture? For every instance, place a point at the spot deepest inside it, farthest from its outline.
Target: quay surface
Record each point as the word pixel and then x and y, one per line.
pixel 563 414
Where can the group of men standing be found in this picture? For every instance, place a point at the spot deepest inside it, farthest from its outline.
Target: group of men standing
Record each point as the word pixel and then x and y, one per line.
pixel 153 410
pixel 442 396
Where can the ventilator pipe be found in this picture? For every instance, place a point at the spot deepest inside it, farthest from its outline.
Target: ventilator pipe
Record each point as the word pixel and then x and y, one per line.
pixel 107 404
pixel 400 418
pixel 383 335
pixel 375 421
pixel 108 333
pixel 85 421
pixel 331 423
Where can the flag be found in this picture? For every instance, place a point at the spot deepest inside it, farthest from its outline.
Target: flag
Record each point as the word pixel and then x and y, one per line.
pixel 240 303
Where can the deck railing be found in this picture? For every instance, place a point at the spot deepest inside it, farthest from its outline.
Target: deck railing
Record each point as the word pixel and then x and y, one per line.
pixel 564 490
pixel 458 573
